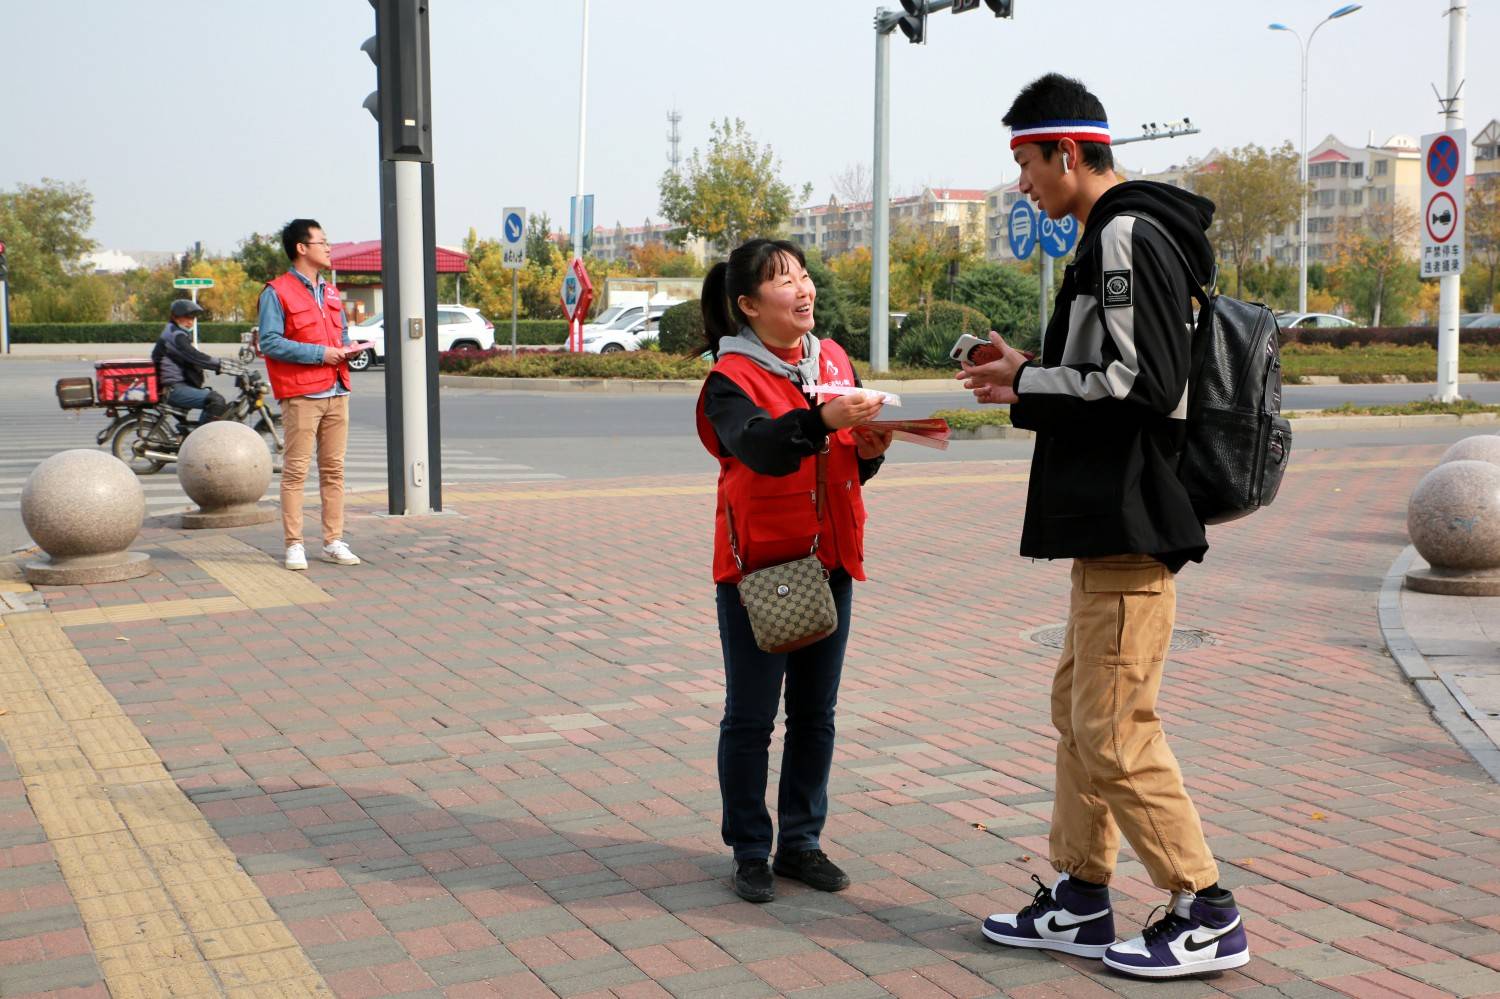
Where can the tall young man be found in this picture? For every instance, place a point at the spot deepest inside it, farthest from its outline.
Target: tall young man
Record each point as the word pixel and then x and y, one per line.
pixel 1108 402
pixel 303 335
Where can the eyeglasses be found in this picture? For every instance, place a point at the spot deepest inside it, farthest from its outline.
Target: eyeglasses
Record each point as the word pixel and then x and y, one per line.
pixel 318 242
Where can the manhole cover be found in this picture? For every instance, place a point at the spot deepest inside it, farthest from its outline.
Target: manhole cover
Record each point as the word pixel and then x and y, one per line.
pixel 1183 639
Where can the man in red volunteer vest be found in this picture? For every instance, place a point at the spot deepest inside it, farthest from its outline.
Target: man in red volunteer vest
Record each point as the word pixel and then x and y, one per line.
pixel 303 335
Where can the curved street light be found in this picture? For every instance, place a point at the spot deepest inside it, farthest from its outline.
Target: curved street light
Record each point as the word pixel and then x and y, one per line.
pixel 1343 11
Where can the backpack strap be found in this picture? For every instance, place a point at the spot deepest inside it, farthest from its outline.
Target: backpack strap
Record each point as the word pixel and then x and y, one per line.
pixel 1195 289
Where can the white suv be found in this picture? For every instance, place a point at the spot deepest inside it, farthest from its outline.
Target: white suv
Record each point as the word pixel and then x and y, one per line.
pixel 623 328
pixel 459 328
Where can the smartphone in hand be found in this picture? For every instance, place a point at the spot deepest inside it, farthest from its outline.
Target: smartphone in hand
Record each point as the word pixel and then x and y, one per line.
pixel 971 349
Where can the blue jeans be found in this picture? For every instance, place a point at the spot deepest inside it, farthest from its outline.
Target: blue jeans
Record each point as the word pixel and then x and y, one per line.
pixel 187 397
pixel 753 685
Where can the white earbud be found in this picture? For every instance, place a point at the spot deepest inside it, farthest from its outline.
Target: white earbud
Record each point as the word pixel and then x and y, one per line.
pixel 1065 162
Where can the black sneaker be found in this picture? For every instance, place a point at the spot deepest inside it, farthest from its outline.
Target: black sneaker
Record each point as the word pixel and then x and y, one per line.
pixel 752 881
pixel 812 868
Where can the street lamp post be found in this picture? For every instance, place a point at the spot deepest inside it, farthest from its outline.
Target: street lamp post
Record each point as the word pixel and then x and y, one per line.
pixel 1304 49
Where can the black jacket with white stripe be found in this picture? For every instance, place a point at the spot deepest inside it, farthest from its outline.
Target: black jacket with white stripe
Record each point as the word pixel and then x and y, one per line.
pixel 1108 396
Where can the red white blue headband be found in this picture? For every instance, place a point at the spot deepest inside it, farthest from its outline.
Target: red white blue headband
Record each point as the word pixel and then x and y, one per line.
pixel 1077 129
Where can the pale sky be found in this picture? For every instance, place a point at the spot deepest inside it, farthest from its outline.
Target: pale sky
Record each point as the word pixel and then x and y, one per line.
pixel 210 119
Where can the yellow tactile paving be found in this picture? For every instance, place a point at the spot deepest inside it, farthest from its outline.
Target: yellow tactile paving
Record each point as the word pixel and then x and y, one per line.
pixel 518 495
pixel 160 611
pixel 168 909
pixel 11 579
pixel 250 574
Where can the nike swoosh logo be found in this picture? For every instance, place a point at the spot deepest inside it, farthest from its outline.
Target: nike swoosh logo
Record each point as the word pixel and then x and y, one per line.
pixel 1193 943
pixel 1052 925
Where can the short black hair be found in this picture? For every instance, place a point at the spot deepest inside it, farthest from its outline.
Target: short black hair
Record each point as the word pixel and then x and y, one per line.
pixel 294 232
pixel 1053 97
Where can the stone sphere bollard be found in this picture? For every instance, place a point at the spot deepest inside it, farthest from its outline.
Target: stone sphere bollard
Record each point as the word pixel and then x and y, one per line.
pixel 1480 447
pixel 1454 522
pixel 225 468
pixel 84 508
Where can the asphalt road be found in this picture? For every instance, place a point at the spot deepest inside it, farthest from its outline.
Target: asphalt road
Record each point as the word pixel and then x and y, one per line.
pixel 517 435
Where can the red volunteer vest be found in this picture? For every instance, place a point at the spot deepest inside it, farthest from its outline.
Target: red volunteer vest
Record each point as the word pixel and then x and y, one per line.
pixel 305 322
pixel 775 516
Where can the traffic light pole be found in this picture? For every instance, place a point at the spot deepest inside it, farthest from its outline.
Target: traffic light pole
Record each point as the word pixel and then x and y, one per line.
pixel 880 208
pixel 402 106
pixel 4 315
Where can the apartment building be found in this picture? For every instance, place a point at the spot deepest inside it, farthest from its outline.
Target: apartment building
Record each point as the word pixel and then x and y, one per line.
pixel 837 227
pixel 616 243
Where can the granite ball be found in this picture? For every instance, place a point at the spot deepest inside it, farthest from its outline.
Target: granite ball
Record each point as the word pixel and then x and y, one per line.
pixel 1454 516
pixel 1480 447
pixel 82 503
pixel 224 465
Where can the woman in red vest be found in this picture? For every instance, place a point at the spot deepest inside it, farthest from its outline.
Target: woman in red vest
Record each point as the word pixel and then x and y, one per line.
pixel 766 432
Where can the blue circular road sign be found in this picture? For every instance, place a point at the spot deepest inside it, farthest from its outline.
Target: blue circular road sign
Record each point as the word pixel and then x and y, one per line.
pixel 1022 229
pixel 513 228
pixel 1442 160
pixel 1058 237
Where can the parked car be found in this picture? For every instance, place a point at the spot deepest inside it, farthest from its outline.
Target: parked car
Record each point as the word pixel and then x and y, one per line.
pixel 631 327
pixel 1310 320
pixel 1479 320
pixel 459 328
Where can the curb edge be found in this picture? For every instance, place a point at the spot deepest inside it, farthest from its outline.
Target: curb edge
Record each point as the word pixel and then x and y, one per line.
pixel 1446 710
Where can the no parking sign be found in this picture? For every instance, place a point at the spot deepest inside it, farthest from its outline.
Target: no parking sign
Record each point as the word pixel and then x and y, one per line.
pixel 1443 203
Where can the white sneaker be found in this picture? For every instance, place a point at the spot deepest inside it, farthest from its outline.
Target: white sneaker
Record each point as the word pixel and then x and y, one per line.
pixel 296 557
pixel 339 552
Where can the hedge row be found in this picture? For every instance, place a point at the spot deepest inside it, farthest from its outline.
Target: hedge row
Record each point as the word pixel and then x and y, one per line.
pixel 117 332
pixel 1393 336
pixel 642 364
pixel 529 331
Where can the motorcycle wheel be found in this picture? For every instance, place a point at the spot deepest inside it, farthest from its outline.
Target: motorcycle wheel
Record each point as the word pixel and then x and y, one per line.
pixel 131 440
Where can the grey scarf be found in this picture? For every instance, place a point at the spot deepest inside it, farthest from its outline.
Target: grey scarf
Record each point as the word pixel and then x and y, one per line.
pixel 804 372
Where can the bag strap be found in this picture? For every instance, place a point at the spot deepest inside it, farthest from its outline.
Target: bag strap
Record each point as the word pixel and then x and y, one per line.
pixel 1194 288
pixel 818 501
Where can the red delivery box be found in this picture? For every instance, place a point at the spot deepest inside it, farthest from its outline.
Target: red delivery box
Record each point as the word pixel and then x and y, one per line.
pixel 126 383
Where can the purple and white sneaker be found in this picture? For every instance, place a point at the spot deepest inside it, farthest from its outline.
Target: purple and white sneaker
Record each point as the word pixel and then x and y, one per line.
pixel 1195 936
pixel 1062 918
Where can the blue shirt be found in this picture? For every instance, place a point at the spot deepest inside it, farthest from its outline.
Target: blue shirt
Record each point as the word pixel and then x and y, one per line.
pixel 274 344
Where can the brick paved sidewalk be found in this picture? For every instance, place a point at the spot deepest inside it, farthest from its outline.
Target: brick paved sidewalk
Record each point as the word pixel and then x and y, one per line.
pixel 482 764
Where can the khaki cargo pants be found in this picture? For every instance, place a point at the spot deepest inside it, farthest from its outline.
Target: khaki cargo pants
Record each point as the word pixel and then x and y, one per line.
pixel 1115 771
pixel 305 423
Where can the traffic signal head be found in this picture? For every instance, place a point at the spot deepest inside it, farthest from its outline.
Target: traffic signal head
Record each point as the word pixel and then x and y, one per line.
pixel 402 101
pixel 913 23
pixel 1002 8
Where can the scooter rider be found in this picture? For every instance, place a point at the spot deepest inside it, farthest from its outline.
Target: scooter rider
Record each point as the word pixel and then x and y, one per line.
pixel 180 365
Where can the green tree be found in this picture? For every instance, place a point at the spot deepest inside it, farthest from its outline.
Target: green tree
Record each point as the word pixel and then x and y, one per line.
pixel 732 193
pixel 262 257
pixel 1271 282
pixel 1007 295
pixel 853 271
pixel 657 259
pixel 148 294
pixel 1373 263
pixel 539 245
pixel 920 258
pixel 1256 193
pixel 1482 229
pixel 829 316
pixel 45 229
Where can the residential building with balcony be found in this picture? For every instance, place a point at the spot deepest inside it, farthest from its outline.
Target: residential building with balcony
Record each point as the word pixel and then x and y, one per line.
pixel 837 227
